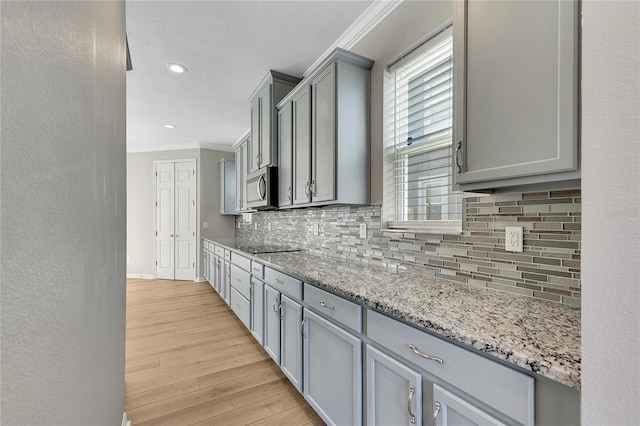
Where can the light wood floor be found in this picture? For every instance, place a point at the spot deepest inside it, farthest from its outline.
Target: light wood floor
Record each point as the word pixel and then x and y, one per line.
pixel 191 361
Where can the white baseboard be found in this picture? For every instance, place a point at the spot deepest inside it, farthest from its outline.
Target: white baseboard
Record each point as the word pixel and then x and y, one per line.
pixel 125 421
pixel 142 276
pixel 200 280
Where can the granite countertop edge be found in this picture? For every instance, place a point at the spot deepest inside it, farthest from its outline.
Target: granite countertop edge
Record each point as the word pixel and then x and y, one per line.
pixel 522 354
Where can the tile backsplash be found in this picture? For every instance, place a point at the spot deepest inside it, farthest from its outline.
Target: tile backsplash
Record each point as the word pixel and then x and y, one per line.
pixel 548 268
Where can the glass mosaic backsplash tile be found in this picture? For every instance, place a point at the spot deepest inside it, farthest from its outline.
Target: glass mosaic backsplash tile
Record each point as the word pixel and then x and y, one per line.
pixel 548 268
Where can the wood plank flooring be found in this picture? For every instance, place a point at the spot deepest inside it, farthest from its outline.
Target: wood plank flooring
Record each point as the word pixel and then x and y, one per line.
pixel 190 361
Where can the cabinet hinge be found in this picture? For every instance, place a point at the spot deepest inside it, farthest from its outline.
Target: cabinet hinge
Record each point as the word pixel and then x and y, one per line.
pixel 194 172
pixel 156 263
pixel 156 173
pixel 156 233
pixel 194 264
pixel 156 204
pixel 194 233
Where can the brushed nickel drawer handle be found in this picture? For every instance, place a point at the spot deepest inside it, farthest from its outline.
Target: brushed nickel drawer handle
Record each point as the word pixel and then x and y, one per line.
pixel 279 281
pixel 238 280
pixel 324 305
pixel 425 356
pixel 412 390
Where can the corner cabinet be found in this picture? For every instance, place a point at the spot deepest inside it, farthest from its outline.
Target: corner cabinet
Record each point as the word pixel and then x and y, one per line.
pixel 227 186
pixel 241 174
pixel 262 150
pixel 329 133
pixel 516 93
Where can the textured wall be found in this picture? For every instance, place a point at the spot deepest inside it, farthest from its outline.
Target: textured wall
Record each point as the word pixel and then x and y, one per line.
pixel 549 267
pixel 63 213
pixel 611 188
pixel 140 204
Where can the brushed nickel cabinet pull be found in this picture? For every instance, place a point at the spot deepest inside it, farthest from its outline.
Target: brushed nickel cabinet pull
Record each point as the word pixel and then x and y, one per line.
pixel 324 305
pixel 412 417
pixel 458 149
pixel 435 412
pixel 425 356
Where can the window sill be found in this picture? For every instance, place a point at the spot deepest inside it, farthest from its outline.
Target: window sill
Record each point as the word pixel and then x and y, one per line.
pixel 442 228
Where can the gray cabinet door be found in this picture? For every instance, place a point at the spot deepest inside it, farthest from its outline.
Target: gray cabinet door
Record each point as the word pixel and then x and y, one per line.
pixel 222 175
pixel 285 156
pixel 205 263
pixel 323 139
pixel 291 340
pixel 516 89
pixel 265 126
pixel 239 180
pixel 332 378
pixel 451 410
pixel 301 105
pixel 257 310
pixel 226 281
pixel 272 322
pixel 254 143
pixel 394 391
pixel 213 270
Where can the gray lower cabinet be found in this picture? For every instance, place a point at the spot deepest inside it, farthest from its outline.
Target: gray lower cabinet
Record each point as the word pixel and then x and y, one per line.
pixel 516 89
pixel 394 391
pixel 213 271
pixel 257 310
pixel 205 261
pixel 240 306
pixel 271 341
pixel 452 410
pixel 332 365
pixel 226 281
pixel 291 340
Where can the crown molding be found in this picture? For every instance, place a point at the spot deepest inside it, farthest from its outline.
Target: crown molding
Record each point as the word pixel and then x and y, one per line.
pixel 177 147
pixel 371 17
pixel 242 138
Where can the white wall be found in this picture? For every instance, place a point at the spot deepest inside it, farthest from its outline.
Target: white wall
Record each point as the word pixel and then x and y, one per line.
pixel 141 208
pixel 611 211
pixel 63 213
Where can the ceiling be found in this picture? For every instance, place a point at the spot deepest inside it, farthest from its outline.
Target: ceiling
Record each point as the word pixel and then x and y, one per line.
pixel 227 48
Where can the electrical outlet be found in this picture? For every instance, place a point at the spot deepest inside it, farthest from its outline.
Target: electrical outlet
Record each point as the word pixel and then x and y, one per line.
pixel 256 225
pixel 268 226
pixel 316 228
pixel 128 259
pixel 363 230
pixel 205 225
pixel 513 238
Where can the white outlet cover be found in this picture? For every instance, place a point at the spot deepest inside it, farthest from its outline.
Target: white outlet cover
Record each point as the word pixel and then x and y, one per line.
pixel 363 230
pixel 316 228
pixel 269 226
pixel 513 238
pixel 205 225
pixel 256 226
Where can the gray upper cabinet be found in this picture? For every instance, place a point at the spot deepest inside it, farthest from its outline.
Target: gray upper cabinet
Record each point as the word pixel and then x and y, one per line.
pixel 227 186
pixel 301 107
pixel 330 113
pixel 516 89
pixel 241 174
pixel 285 156
pixel 264 119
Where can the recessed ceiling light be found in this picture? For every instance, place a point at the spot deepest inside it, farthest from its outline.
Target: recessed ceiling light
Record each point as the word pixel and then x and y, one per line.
pixel 170 126
pixel 177 68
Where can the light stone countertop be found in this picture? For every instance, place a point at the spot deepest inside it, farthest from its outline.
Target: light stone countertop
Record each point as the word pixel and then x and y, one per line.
pixel 542 337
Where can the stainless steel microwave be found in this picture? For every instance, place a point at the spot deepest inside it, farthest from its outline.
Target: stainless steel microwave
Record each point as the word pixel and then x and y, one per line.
pixel 262 189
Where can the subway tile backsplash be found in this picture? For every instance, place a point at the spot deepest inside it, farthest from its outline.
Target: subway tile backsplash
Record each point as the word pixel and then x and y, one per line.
pixel 549 267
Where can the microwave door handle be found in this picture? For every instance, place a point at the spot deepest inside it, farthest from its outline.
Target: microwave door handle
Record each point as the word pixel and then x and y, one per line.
pixel 262 185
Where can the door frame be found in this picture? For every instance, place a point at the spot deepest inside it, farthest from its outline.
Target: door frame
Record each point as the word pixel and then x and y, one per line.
pixel 194 214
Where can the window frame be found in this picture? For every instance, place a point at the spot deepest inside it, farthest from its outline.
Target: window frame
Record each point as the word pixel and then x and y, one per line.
pixel 390 201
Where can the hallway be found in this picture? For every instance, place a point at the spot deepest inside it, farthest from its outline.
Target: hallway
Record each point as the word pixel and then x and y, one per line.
pixel 189 360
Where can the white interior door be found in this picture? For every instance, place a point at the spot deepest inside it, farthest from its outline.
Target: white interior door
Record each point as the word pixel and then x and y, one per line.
pixel 165 244
pixel 175 220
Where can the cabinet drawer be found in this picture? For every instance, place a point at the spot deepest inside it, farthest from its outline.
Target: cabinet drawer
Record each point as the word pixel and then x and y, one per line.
pixel 205 245
pixel 283 282
pixel 498 386
pixel 240 306
pixel 342 310
pixel 241 261
pixel 241 281
pixel 257 269
pixel 219 251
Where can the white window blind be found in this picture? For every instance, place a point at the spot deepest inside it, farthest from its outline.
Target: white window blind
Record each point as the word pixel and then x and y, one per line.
pixel 419 138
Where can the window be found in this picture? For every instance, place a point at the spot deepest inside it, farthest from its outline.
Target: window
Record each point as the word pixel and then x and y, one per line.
pixel 418 147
